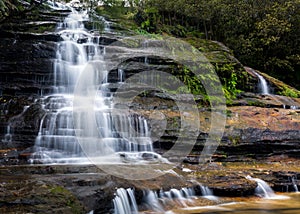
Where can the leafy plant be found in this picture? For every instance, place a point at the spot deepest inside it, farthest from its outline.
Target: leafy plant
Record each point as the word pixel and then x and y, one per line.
pixel 289 92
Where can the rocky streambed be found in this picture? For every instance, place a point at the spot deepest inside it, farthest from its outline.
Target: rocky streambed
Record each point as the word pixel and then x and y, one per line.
pixel 82 188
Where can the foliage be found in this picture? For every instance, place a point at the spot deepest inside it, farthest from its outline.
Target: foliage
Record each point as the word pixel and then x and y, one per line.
pixel 115 9
pixel 263 34
pixel 6 7
pixel 229 80
pixel 9 8
pixel 190 80
pixel 289 92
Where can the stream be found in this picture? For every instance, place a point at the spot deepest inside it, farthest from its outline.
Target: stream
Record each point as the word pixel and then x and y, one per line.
pixel 289 205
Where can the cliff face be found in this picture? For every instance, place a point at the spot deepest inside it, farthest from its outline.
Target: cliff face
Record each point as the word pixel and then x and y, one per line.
pixel 257 127
pixel 269 122
pixel 28 47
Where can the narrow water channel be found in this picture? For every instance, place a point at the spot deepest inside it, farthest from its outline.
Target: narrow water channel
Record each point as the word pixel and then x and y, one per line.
pixel 254 205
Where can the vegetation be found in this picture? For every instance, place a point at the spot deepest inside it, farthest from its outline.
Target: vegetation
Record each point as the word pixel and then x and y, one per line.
pixel 9 8
pixel 263 34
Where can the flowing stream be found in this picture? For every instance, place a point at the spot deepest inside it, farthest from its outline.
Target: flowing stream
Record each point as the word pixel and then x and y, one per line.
pixel 186 200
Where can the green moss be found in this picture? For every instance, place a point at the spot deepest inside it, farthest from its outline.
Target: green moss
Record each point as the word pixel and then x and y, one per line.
pixel 204 45
pixel 255 102
pixel 235 140
pixel 67 199
pixel 289 92
pixel 42 28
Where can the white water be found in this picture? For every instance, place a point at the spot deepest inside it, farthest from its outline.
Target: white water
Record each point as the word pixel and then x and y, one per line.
pixel 115 135
pixel 263 85
pixel 8 135
pixel 152 201
pixel 263 189
pixel 287 102
pixel 207 193
pixel 294 181
pixel 124 202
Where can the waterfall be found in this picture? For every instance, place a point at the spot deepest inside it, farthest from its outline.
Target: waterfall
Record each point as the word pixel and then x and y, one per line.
pixel 152 201
pixel 287 102
pixel 8 135
pixel 294 182
pixel 124 201
pixel 66 135
pixel 121 75
pixel 264 190
pixel 145 45
pixel 263 85
pixel 207 193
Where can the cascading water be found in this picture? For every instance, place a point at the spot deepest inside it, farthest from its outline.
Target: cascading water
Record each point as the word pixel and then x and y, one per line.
pixel 207 193
pixel 294 182
pixel 7 136
pixel 287 102
pixel 263 85
pixel 264 190
pixel 125 203
pixel 57 140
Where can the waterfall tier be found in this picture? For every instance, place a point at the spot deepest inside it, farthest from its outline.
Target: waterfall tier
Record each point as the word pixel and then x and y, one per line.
pixel 125 201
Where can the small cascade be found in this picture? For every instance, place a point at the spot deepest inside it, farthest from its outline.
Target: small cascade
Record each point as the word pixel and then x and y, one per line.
pixel 71 55
pixel 287 102
pixel 8 135
pixel 107 27
pixel 152 201
pixel 145 45
pixel 124 202
pixel 263 189
pixel 263 85
pixel 207 193
pixel 121 75
pixel 159 202
pixel 56 5
pixel 290 107
pixel 294 182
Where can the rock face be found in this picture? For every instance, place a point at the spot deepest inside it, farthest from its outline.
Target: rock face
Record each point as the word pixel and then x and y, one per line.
pixel 29 48
pixel 26 64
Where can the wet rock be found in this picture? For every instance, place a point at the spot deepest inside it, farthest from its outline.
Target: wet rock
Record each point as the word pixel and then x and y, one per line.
pixel 232 186
pixel 25 127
